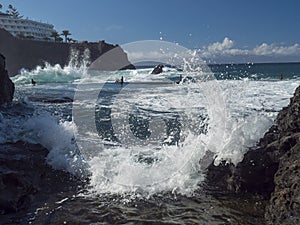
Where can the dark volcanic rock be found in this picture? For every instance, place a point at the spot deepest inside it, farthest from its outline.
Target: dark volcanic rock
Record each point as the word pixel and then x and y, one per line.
pixel 7 87
pixel 21 168
pixel 271 169
pixel 158 69
pixel 27 181
pixel 284 206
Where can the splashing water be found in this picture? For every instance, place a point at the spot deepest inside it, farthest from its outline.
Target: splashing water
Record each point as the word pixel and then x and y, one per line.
pixel 76 69
pixel 218 116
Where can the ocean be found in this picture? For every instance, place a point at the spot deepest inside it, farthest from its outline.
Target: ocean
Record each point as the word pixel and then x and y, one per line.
pixel 143 146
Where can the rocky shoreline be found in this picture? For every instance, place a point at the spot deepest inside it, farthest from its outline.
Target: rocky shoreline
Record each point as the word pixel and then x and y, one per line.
pixel 24 173
pixel 7 87
pixel 271 169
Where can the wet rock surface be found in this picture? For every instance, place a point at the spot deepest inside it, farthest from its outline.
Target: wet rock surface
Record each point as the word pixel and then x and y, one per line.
pixel 7 87
pixel 21 168
pixel 158 69
pixel 284 205
pixel 271 169
pixel 27 182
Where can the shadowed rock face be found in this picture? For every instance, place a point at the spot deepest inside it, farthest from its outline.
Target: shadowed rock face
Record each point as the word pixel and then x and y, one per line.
pixel 7 87
pixel 27 181
pixel 272 169
pixel 28 53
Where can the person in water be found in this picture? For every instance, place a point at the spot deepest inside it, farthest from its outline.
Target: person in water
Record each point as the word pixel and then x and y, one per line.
pixel 120 81
pixel 228 76
pixel 180 79
pixel 33 82
pixel 281 77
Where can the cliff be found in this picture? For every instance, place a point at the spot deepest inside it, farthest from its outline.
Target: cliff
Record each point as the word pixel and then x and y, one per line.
pixel 28 53
pixel 7 87
pixel 271 169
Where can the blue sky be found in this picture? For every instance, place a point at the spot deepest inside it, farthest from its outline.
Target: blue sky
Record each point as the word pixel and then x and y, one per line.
pixel 222 30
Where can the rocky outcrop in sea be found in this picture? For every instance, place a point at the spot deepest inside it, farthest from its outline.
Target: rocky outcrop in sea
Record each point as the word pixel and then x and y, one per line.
pixel 271 169
pixel 7 87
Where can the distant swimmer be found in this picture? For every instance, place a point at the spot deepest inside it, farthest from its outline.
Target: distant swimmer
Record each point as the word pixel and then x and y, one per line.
pixel 281 77
pixel 120 81
pixel 180 79
pixel 228 76
pixel 33 82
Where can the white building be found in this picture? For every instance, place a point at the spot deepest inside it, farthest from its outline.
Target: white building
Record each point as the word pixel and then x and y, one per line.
pixel 25 27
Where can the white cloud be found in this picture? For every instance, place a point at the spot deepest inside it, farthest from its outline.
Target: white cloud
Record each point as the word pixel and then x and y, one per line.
pixel 221 46
pixel 220 51
pixel 272 49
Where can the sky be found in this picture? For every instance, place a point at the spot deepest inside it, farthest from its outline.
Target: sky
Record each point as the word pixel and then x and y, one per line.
pixel 221 31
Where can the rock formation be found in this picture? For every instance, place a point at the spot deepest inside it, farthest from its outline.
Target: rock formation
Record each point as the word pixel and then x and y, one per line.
pixel 7 87
pixel 27 181
pixel 30 53
pixel 271 169
pixel 158 69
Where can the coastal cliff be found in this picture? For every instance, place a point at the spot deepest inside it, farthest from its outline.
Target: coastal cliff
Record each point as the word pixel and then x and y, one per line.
pixel 7 87
pixel 28 53
pixel 271 169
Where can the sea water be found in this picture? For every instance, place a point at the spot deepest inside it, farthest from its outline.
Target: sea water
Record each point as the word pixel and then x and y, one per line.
pixel 140 143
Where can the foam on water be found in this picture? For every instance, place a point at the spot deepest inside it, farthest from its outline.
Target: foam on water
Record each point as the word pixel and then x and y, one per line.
pixel 251 107
pixel 76 69
pixel 58 138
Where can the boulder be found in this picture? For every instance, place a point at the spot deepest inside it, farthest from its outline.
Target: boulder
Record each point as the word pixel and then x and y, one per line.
pixel 158 69
pixel 21 168
pixel 27 181
pixel 7 87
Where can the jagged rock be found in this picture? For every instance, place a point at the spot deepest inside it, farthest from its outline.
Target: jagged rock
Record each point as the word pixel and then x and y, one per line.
pixel 26 180
pixel 158 69
pixel 271 169
pixel 7 87
pixel 21 168
pixel 284 206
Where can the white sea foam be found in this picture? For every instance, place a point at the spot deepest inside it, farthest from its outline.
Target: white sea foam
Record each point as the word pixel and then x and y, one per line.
pixel 251 107
pixel 58 138
pixel 75 69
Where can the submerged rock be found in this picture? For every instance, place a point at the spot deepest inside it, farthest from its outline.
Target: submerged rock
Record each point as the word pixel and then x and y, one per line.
pixel 7 87
pixel 271 169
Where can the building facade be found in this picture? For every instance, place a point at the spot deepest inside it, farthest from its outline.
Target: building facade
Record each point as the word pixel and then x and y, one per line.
pixel 25 28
